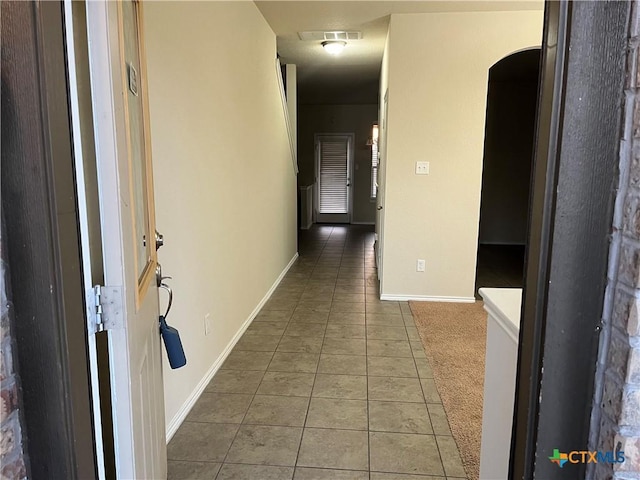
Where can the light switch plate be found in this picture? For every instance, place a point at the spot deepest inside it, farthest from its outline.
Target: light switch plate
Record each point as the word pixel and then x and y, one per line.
pixel 422 168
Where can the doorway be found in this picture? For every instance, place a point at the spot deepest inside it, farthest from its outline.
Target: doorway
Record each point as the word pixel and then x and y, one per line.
pixel 334 160
pixel 506 176
pixel 380 186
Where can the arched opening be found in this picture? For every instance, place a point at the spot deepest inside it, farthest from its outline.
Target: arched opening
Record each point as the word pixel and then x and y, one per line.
pixel 506 174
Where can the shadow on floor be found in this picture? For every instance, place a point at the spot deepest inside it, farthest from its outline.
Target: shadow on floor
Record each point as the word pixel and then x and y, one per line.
pixel 500 266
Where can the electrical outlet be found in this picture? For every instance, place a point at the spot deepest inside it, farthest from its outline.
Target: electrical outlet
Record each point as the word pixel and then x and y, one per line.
pixel 207 324
pixel 420 265
pixel 422 168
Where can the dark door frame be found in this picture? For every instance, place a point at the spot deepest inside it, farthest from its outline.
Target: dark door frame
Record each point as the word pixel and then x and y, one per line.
pixel 40 207
pixel 574 182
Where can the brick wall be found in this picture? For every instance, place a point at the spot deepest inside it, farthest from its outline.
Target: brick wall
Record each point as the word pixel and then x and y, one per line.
pixel 12 457
pixel 615 423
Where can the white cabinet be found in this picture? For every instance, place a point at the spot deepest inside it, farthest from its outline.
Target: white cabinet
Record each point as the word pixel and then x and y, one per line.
pixel 503 326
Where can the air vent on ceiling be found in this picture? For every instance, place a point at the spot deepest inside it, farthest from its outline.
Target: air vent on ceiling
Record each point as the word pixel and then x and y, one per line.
pixel 334 35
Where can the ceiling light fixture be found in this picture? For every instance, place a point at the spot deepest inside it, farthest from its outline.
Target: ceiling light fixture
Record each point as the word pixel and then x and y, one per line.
pixel 334 47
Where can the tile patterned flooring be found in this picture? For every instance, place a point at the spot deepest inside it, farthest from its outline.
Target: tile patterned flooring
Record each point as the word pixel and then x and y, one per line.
pixel 328 382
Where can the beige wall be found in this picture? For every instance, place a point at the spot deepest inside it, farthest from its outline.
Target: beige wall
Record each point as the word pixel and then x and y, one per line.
pixel 356 119
pixel 225 187
pixel 437 75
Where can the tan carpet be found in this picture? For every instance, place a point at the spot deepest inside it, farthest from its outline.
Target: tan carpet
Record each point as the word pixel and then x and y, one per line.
pixel 454 337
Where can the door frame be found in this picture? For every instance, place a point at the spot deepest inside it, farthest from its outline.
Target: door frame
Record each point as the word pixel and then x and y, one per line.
pixel 102 59
pixel 381 192
pixel 316 170
pixel 40 209
pixel 571 213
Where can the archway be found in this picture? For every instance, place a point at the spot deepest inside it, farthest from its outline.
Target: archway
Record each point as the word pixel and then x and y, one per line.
pixel 508 154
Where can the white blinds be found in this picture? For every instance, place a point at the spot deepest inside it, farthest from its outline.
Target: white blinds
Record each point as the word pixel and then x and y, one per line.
pixel 374 170
pixel 333 175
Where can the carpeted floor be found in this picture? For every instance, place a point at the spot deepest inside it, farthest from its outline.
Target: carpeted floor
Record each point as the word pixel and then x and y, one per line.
pixel 454 337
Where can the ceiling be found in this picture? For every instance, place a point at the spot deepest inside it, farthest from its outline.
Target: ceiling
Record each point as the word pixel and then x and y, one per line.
pixel 353 75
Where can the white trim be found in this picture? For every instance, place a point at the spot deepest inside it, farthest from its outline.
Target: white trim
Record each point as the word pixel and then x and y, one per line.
pixel 83 224
pixel 363 223
pixel 287 120
pixel 108 118
pixel 182 413
pixel 426 298
pixel 504 305
pixel 291 93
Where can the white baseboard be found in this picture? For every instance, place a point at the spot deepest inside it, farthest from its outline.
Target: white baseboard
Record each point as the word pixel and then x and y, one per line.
pixel 179 417
pixel 363 223
pixel 306 227
pixel 426 298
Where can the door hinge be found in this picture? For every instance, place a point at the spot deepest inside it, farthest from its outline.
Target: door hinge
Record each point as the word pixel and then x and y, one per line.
pixel 107 308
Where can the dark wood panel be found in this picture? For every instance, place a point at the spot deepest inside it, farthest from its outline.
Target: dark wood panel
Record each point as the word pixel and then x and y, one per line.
pixel 574 179
pixel 38 200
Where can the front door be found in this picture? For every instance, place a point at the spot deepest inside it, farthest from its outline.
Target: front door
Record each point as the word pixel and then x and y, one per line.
pixel 130 295
pixel 333 178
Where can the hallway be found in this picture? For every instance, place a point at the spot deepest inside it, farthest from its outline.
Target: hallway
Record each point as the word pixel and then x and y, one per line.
pixel 328 382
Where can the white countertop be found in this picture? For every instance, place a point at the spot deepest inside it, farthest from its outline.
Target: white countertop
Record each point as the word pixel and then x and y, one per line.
pixel 504 304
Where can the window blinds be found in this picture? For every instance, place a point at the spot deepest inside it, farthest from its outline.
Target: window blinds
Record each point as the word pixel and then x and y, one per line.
pixel 333 175
pixel 374 170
